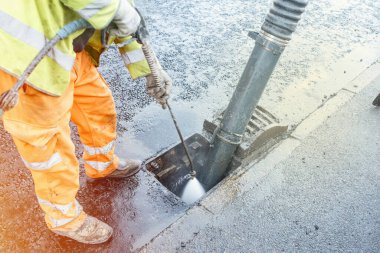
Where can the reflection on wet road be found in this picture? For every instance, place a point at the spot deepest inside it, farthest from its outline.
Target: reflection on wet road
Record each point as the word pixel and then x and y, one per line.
pixel 204 46
pixel 152 130
pixel 137 208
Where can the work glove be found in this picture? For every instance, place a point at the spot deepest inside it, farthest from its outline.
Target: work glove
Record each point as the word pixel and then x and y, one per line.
pixel 126 20
pixel 8 100
pixel 159 88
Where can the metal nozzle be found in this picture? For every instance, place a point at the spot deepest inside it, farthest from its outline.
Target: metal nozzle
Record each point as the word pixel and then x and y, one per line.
pixel 193 174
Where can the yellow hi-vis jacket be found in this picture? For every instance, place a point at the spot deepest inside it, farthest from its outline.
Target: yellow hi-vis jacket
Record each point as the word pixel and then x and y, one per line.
pixel 26 26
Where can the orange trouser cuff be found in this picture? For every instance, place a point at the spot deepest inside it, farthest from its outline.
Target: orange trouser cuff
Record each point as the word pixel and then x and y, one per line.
pixel 39 125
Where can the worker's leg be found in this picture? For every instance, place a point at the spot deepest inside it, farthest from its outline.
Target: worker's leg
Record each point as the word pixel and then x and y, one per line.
pixel 94 113
pixel 39 125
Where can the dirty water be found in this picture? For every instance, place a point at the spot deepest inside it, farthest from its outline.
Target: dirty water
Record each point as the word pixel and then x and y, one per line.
pixel 204 47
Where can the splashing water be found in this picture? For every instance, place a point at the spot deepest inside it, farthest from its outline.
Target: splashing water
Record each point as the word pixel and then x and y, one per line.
pixel 192 191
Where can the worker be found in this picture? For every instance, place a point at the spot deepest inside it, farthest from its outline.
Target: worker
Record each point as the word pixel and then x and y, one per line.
pixel 67 86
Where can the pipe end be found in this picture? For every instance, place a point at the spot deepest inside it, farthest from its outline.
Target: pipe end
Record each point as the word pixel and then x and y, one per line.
pixel 283 18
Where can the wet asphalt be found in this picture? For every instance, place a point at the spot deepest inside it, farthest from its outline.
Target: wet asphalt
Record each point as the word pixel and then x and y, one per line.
pixel 324 197
pixel 204 46
pixel 137 208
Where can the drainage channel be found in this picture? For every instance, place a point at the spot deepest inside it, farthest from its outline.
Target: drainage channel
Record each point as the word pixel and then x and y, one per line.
pixel 171 167
pixel 243 128
pixel 168 171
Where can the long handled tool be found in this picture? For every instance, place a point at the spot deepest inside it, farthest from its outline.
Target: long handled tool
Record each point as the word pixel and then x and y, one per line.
pixel 192 171
pixel 193 189
pixel 142 35
pixel 9 99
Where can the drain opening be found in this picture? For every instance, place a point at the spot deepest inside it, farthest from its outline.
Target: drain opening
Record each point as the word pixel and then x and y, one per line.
pixel 171 168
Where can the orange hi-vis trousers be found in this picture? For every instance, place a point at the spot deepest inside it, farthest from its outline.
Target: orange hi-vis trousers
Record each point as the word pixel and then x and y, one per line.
pixel 39 125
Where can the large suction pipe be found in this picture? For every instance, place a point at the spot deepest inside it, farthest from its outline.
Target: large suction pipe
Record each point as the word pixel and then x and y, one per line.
pixel 275 34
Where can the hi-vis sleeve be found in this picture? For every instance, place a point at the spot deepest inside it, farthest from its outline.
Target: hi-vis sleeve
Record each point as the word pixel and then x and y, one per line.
pixel 99 13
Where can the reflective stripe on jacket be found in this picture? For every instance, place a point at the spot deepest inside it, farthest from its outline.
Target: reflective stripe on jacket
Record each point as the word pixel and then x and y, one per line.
pixel 131 53
pixel 26 26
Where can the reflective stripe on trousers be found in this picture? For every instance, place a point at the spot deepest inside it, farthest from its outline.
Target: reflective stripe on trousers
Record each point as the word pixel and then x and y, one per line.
pixel 99 158
pixel 99 166
pixel 39 125
pixel 100 150
pixel 55 159
pixel 56 212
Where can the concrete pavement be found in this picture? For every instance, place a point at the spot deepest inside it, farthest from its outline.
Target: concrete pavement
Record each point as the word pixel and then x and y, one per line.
pixel 315 192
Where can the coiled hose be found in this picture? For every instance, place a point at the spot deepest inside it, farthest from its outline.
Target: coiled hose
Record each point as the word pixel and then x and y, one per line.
pixel 151 59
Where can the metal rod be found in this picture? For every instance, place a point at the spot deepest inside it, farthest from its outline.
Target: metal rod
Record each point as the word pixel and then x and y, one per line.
pixel 192 171
pixel 275 34
pixel 142 35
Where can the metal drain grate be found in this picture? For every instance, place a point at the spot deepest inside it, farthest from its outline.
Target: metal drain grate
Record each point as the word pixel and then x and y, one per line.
pixel 263 127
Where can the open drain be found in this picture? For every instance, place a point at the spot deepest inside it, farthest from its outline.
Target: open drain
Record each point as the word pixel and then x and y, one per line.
pixel 171 167
pixel 246 127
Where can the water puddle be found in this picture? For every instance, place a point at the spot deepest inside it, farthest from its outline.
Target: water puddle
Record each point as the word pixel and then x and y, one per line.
pixel 152 130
